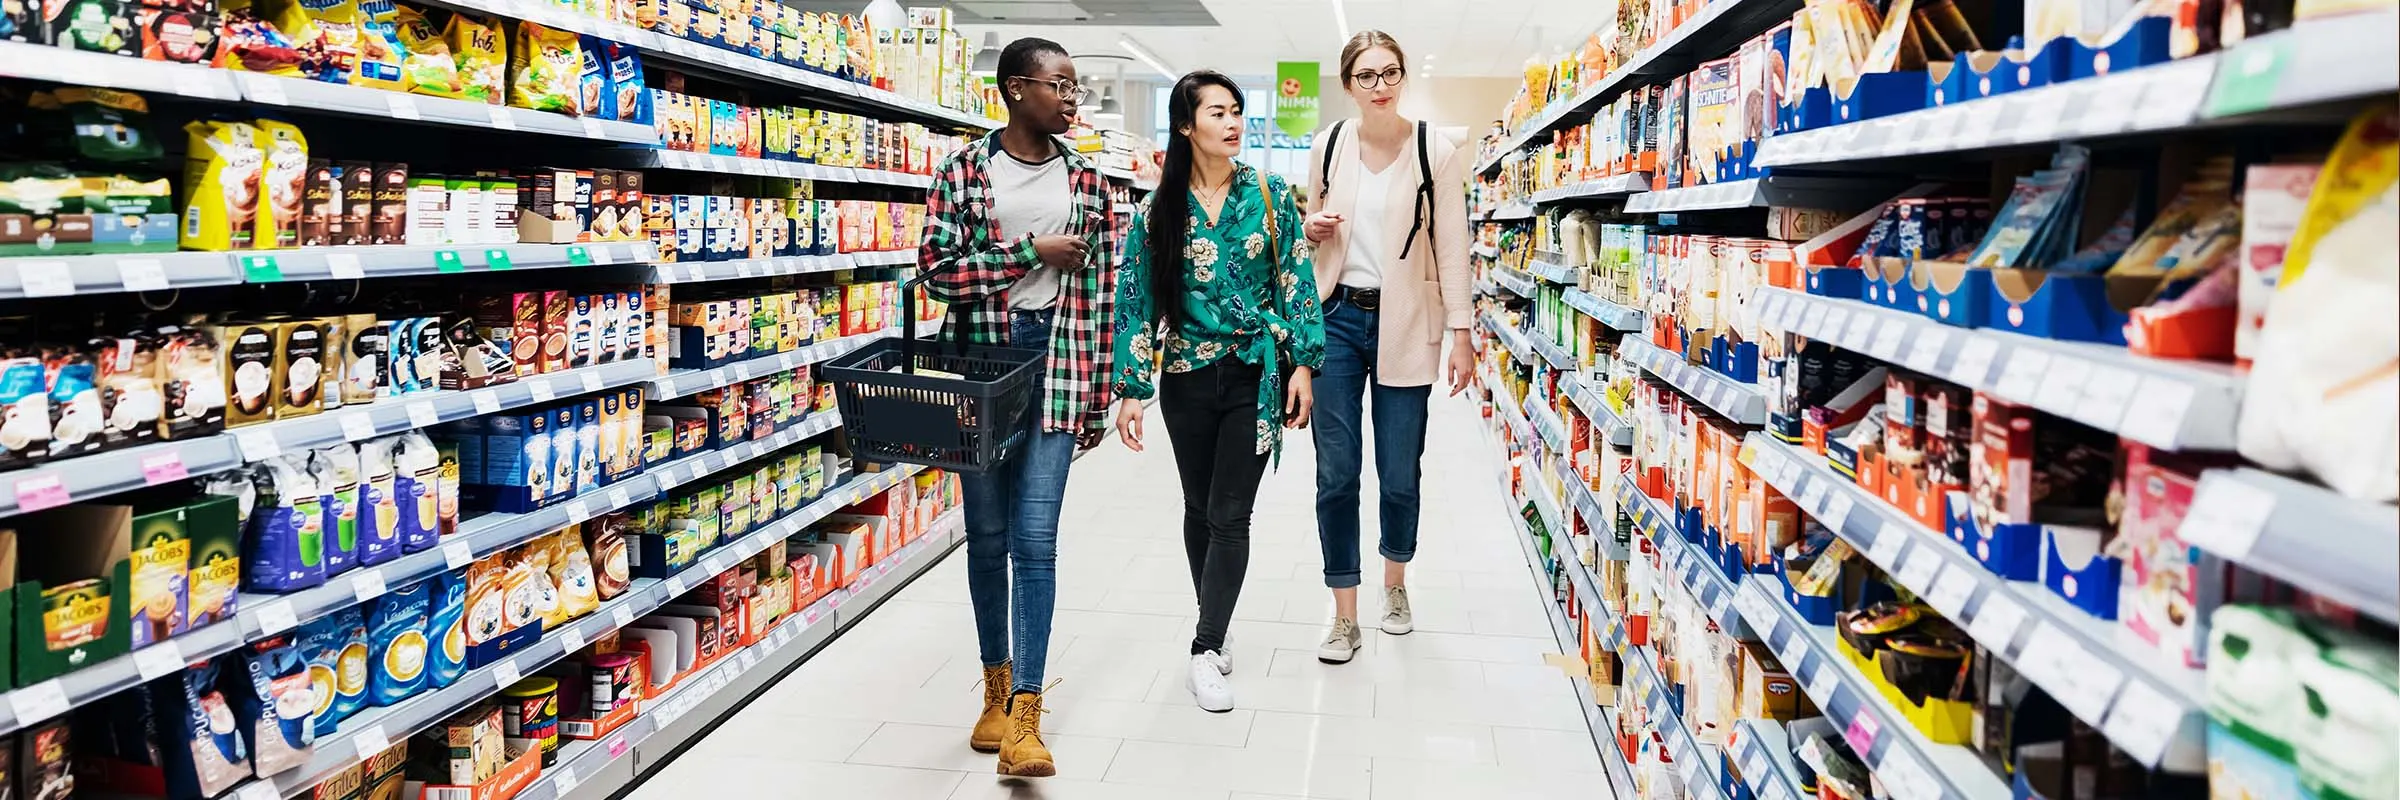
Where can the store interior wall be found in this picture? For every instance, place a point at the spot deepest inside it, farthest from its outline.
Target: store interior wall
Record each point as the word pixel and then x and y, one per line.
pixel 1468 103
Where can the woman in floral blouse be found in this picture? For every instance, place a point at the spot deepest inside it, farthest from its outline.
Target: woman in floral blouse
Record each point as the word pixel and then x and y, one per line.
pixel 1218 287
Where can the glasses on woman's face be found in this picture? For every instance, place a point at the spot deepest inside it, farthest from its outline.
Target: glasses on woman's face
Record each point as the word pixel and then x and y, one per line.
pixel 1370 80
pixel 1066 88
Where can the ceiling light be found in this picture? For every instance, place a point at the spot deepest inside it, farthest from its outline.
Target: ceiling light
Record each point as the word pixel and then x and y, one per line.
pixel 1108 103
pixel 987 60
pixel 1146 56
pixel 1341 21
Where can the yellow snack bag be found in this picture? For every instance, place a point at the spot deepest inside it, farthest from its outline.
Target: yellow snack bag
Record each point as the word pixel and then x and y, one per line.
pixel 482 57
pixel 332 44
pixel 543 68
pixel 286 168
pixel 426 66
pixel 571 572
pixel 221 167
pixel 379 51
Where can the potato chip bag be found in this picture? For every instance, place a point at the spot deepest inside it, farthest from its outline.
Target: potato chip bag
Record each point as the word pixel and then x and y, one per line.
pixel 327 33
pixel 543 68
pixel 482 58
pixel 380 53
pixel 249 43
pixel 426 66
pixel 593 95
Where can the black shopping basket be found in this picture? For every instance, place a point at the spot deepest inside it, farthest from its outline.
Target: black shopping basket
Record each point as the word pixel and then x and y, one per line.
pixel 905 401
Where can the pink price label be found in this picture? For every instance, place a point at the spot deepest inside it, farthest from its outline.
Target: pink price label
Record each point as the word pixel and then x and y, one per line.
pixel 811 615
pixel 1862 731
pixel 35 494
pixel 163 467
pixel 618 746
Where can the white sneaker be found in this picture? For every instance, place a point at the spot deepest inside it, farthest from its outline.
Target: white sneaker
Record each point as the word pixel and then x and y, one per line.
pixel 1341 642
pixel 1397 619
pixel 1209 687
pixel 1223 658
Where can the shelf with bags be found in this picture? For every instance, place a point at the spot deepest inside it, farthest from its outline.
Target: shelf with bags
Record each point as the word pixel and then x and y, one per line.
pixel 1612 428
pixel 1745 403
pixel 1691 564
pixel 1618 185
pixel 2130 692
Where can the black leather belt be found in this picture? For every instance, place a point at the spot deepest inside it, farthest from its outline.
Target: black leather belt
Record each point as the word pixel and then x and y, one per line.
pixel 1361 299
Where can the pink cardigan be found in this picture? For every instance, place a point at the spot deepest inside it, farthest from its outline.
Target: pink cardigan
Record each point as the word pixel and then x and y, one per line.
pixel 1426 293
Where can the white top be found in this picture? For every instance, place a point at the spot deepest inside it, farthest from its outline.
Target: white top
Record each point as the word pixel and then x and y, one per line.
pixel 1032 199
pixel 1362 265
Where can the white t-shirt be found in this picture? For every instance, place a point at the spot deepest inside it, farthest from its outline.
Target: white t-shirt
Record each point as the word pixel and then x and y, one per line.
pixel 1362 263
pixel 1032 199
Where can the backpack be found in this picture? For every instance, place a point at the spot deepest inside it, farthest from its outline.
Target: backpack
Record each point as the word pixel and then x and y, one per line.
pixel 1424 194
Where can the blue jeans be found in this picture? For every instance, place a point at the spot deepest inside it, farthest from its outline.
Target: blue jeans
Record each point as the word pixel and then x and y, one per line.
pixel 1399 446
pixel 1012 518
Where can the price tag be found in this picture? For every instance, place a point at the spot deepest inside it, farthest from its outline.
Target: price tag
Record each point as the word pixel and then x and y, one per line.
pixel 787 361
pixel 275 616
pixel 486 401
pixel 578 511
pixel 2155 413
pixel 563 779
pixel 141 274
pixel 357 426
pixel 457 553
pixel 1861 327
pixel 543 392
pixel 2082 684
pixel 1791 315
pixel 371 740
pixel 35 494
pixel 497 258
pixel 1916 570
pixel 2038 112
pixel 1906 778
pixel 1974 364
pixel 39 702
pixel 2106 397
pixel 1887 339
pixel 501 118
pixel 256 445
pixel 1926 351
pixel 368 584
pixel 402 106
pixel 591 381
pixel 1822 685
pixel 621 615
pixel 1831 326
pixel 591 128
pixel 1996 621
pixel 344 266
pixel 422 414
pixel 2142 722
pixel 1812 496
pixel 1792 650
pixel 2111 105
pixel 2062 384
pixel 1890 540
pixel 743 269
pixel 1862 731
pixel 2021 378
pixel 2227 516
pixel 261 269
pixel 45 279
pixel 572 636
pixel 158 660
pixel 164 467
pixel 258 790
pixel 447 261
pixel 264 89
pixel 506 674
pixel 1812 323
pixel 1951 590
pixel 618 498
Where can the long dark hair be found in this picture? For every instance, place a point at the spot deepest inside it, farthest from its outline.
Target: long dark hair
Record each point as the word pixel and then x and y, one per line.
pixel 1171 204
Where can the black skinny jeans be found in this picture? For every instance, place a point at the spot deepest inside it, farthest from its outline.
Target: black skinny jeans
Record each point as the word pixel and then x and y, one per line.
pixel 1212 422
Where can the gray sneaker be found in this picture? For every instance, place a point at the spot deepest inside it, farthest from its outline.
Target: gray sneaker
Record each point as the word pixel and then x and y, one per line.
pixel 1341 643
pixel 1397 620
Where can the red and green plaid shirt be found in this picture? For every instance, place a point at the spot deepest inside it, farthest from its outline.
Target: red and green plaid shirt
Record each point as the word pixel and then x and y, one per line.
pixel 974 266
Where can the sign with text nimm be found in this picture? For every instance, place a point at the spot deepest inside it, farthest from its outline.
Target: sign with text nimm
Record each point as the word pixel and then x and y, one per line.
pixel 1296 97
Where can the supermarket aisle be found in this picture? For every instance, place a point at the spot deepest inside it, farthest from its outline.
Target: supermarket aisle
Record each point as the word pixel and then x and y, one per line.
pixel 1464 707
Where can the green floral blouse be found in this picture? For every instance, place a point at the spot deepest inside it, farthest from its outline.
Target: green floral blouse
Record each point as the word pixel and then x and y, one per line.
pixel 1239 300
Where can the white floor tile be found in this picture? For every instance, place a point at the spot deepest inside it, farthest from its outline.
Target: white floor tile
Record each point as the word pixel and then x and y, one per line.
pixel 1285 772
pixel 899 744
pixel 1352 736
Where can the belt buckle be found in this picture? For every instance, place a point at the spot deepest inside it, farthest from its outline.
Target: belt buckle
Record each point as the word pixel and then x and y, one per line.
pixel 1366 299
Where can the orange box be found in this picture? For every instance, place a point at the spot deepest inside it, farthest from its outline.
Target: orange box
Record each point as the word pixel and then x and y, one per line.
pixel 512 779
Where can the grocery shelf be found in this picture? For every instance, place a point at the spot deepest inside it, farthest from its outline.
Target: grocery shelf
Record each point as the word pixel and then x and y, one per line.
pixel 1546 422
pixel 1692 758
pixel 1841 194
pixel 1511 212
pixel 1623 318
pixel 70 66
pixel 1487 288
pixel 1516 341
pixel 1700 574
pixel 58 276
pixel 1763 751
pixel 2169 404
pixel 764 167
pixel 393 261
pixel 2149 99
pixel 1904 761
pixel 1550 351
pixel 2339 57
pixel 1611 186
pixel 1551 267
pixel 101 474
pixel 690 381
pixel 1611 428
pixel 706 271
pixel 373 729
pixel 1484 251
pixel 689 468
pixel 27 705
pixel 1745 403
pixel 1597 522
pixel 2337 547
pixel 1509 279
pixel 2150 708
pixel 337 98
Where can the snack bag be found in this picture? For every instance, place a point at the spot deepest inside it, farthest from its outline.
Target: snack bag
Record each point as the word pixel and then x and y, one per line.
pixel 396 638
pixel 329 47
pixel 629 97
pixel 571 571
pixel 380 54
pixel 446 630
pixel 592 92
pixel 285 152
pixel 426 66
pixel 542 68
pixel 482 57
pixel 531 572
pixel 249 43
pixel 221 169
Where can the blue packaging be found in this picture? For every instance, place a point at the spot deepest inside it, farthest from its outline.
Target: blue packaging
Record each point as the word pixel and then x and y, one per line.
pixel 189 703
pixel 284 548
pixel 630 95
pixel 593 97
pixel 335 646
pixel 272 704
pixel 564 444
pixel 397 643
pixel 445 629
pixel 587 446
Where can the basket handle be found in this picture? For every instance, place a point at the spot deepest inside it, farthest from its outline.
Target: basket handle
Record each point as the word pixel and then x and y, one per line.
pixel 957 327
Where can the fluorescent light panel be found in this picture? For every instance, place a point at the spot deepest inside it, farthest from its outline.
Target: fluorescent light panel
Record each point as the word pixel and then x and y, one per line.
pixel 1146 57
pixel 1341 20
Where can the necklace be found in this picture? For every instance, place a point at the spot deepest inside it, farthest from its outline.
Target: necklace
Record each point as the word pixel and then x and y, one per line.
pixel 1216 194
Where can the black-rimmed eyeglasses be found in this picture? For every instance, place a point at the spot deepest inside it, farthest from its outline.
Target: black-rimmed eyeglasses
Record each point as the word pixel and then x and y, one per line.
pixel 1370 80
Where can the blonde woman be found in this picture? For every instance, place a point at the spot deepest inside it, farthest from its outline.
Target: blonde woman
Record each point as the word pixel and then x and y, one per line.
pixel 1390 224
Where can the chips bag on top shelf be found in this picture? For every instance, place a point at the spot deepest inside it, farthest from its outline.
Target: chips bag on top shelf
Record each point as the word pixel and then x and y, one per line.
pixel 482 58
pixel 426 66
pixel 543 69
pixel 380 53
pixel 249 43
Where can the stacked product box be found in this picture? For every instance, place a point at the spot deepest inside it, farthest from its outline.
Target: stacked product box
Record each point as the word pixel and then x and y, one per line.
pixel 522 460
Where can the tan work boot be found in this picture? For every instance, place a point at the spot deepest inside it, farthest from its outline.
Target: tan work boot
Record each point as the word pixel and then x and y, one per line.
pixel 992 728
pixel 1024 755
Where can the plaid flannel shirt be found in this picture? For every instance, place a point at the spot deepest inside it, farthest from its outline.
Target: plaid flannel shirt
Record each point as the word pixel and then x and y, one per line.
pixel 972 265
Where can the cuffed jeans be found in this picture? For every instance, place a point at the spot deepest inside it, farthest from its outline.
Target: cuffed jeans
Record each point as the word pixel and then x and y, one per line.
pixel 1012 521
pixel 1350 336
pixel 1212 422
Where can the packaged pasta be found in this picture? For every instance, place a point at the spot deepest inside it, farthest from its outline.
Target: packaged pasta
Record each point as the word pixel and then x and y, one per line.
pixel 543 68
pixel 482 58
pixel 426 66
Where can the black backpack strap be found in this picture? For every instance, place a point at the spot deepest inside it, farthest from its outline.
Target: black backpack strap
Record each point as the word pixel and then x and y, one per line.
pixel 1418 219
pixel 1333 142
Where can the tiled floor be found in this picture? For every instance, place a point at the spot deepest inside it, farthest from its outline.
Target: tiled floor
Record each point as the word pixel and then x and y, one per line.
pixel 1464 707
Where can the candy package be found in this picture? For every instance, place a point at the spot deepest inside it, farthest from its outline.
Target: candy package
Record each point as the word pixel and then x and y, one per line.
pixel 380 54
pixel 482 57
pixel 426 65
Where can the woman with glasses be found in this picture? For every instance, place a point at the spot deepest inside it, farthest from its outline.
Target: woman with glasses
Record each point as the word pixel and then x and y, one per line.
pixel 1391 234
pixel 1218 287
pixel 1019 230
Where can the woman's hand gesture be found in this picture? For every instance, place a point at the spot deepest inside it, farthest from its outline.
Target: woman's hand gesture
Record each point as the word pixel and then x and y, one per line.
pixel 1129 423
pixel 1299 399
pixel 1321 226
